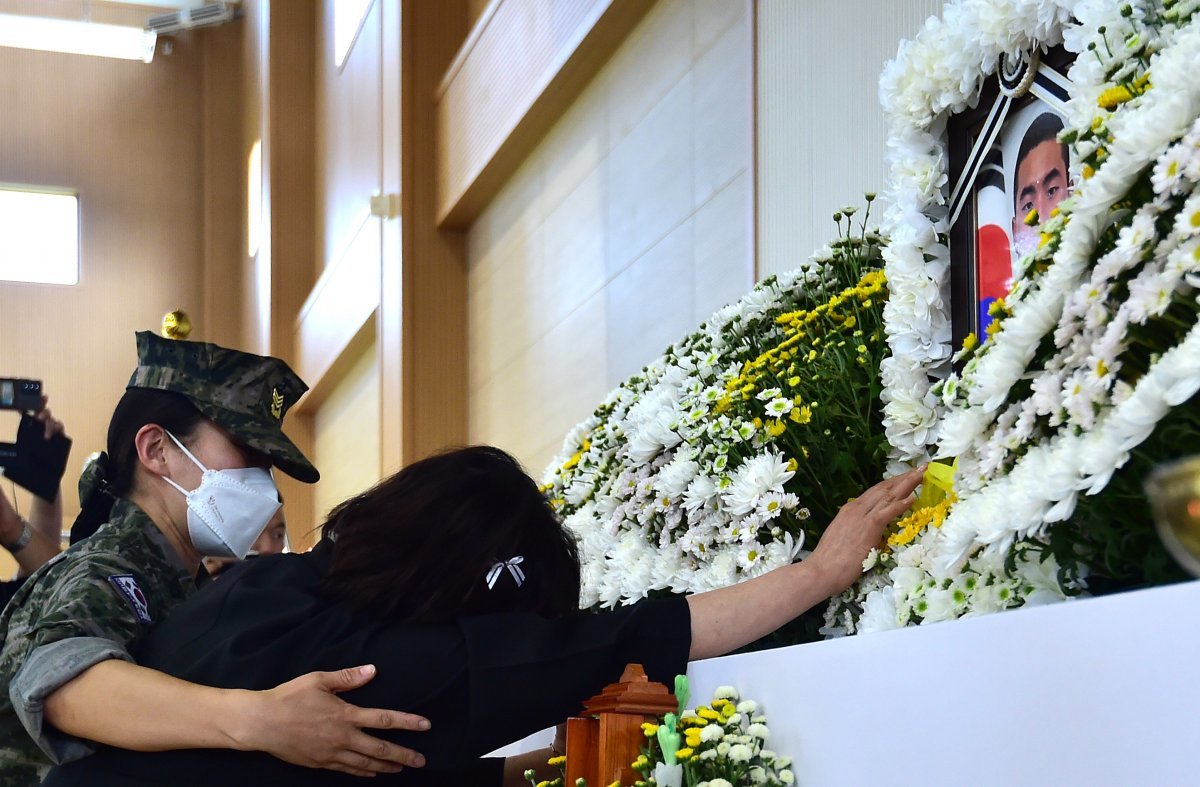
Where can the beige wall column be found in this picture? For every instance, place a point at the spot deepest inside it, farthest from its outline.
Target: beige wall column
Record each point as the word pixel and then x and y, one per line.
pixel 390 316
pixel 224 173
pixel 275 177
pixel 289 171
pixel 432 369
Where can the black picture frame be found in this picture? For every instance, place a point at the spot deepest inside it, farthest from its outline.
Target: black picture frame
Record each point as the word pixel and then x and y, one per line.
pixel 968 167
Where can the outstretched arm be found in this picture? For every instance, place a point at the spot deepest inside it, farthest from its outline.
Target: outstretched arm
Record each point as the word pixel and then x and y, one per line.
pixel 726 619
pixel 39 548
pixel 302 722
pixel 45 517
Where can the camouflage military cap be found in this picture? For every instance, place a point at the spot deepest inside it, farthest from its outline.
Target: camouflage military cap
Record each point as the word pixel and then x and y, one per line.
pixel 247 395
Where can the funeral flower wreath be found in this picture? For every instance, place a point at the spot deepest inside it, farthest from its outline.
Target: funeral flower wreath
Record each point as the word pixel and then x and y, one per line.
pixel 728 454
pixel 1097 342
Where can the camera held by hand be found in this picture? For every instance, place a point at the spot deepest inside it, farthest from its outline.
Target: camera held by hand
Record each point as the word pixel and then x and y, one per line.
pixel 34 461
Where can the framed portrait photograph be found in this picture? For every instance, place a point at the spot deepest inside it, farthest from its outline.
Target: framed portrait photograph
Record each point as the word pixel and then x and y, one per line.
pixel 1008 172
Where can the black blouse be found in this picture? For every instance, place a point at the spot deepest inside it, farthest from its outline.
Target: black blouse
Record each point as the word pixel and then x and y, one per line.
pixel 482 681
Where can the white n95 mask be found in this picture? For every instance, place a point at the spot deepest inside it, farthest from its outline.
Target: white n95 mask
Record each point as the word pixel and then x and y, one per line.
pixel 230 509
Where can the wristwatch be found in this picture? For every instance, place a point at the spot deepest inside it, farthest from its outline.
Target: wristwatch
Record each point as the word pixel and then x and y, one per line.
pixel 22 540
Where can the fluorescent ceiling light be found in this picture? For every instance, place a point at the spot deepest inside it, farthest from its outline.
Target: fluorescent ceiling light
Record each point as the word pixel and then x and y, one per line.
pixel 80 38
pixel 178 5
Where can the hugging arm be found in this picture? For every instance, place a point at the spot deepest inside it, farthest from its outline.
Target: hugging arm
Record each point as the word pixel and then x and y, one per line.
pixel 302 721
pixel 726 619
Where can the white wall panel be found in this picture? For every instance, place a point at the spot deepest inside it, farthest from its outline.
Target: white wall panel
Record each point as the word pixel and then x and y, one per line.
pixel 628 225
pixel 820 126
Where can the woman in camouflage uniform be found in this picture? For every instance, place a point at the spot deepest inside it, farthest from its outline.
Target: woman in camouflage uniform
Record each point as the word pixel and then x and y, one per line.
pixel 185 476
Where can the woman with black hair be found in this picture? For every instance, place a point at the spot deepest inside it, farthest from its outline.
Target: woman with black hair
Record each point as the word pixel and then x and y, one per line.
pixel 186 475
pixel 455 576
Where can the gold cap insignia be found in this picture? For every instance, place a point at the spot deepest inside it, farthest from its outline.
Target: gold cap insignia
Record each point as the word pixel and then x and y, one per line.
pixel 276 404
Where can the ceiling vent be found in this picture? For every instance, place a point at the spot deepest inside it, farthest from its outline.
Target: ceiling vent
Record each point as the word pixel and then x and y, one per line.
pixel 191 18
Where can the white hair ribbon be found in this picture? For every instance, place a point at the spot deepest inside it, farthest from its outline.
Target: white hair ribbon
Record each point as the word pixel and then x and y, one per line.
pixel 514 568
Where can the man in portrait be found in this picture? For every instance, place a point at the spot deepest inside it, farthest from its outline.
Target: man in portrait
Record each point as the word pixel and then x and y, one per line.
pixel 1040 180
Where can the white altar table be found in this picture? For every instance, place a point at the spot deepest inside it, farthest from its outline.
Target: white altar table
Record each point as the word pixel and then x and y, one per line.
pixel 1101 691
pixel 1098 691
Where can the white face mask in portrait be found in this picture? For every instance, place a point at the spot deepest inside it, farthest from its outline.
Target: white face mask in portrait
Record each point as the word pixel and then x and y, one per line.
pixel 229 509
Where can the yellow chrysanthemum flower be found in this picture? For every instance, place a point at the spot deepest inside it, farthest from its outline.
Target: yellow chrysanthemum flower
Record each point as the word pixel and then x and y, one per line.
pixel 915 523
pixel 1115 96
pixel 555 762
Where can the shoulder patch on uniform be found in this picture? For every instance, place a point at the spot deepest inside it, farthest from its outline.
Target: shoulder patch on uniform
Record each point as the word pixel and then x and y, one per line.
pixel 127 586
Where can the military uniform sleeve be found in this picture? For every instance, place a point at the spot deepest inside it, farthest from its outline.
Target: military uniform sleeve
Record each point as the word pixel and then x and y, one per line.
pixel 90 611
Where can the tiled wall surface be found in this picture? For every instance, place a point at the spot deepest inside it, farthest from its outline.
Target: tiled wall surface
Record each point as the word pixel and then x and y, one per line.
pixel 820 126
pixel 346 435
pixel 628 226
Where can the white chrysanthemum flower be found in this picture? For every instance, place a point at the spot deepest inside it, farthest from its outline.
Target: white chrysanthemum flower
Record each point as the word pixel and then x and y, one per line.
pixel 726 693
pixel 701 490
pixel 780 407
pixel 759 731
pixel 675 477
pixel 1149 294
pixel 772 504
pixel 1187 223
pixel 787 777
pixel 712 733
pixel 1169 170
pixel 879 611
pixel 740 753
pixel 757 476
pixel 767 394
